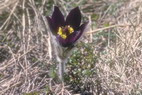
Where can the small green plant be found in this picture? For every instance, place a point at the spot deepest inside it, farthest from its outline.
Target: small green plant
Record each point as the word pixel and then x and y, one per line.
pixel 81 65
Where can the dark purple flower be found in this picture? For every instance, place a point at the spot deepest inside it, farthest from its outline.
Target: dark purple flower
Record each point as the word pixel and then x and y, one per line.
pixel 67 31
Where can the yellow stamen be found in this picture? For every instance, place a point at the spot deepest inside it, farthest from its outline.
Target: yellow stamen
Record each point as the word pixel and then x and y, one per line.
pixel 63 33
pixel 60 31
pixel 64 36
pixel 71 30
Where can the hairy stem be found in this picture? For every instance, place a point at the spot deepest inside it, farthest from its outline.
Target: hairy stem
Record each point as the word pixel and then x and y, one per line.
pixel 61 70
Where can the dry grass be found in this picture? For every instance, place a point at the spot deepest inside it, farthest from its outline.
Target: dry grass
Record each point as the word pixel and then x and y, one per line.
pixel 115 39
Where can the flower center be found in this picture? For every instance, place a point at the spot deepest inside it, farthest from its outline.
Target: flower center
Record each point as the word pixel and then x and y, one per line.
pixel 64 32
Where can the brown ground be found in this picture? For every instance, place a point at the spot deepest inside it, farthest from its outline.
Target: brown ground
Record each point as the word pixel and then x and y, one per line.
pixel 110 56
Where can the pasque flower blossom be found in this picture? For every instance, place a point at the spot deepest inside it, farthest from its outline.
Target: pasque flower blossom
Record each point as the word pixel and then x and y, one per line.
pixel 69 30
pixel 64 34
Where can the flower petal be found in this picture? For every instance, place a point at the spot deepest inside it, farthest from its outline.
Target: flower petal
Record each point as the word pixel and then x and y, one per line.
pixel 69 41
pixel 63 42
pixel 51 25
pixel 57 18
pixel 80 32
pixel 74 18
